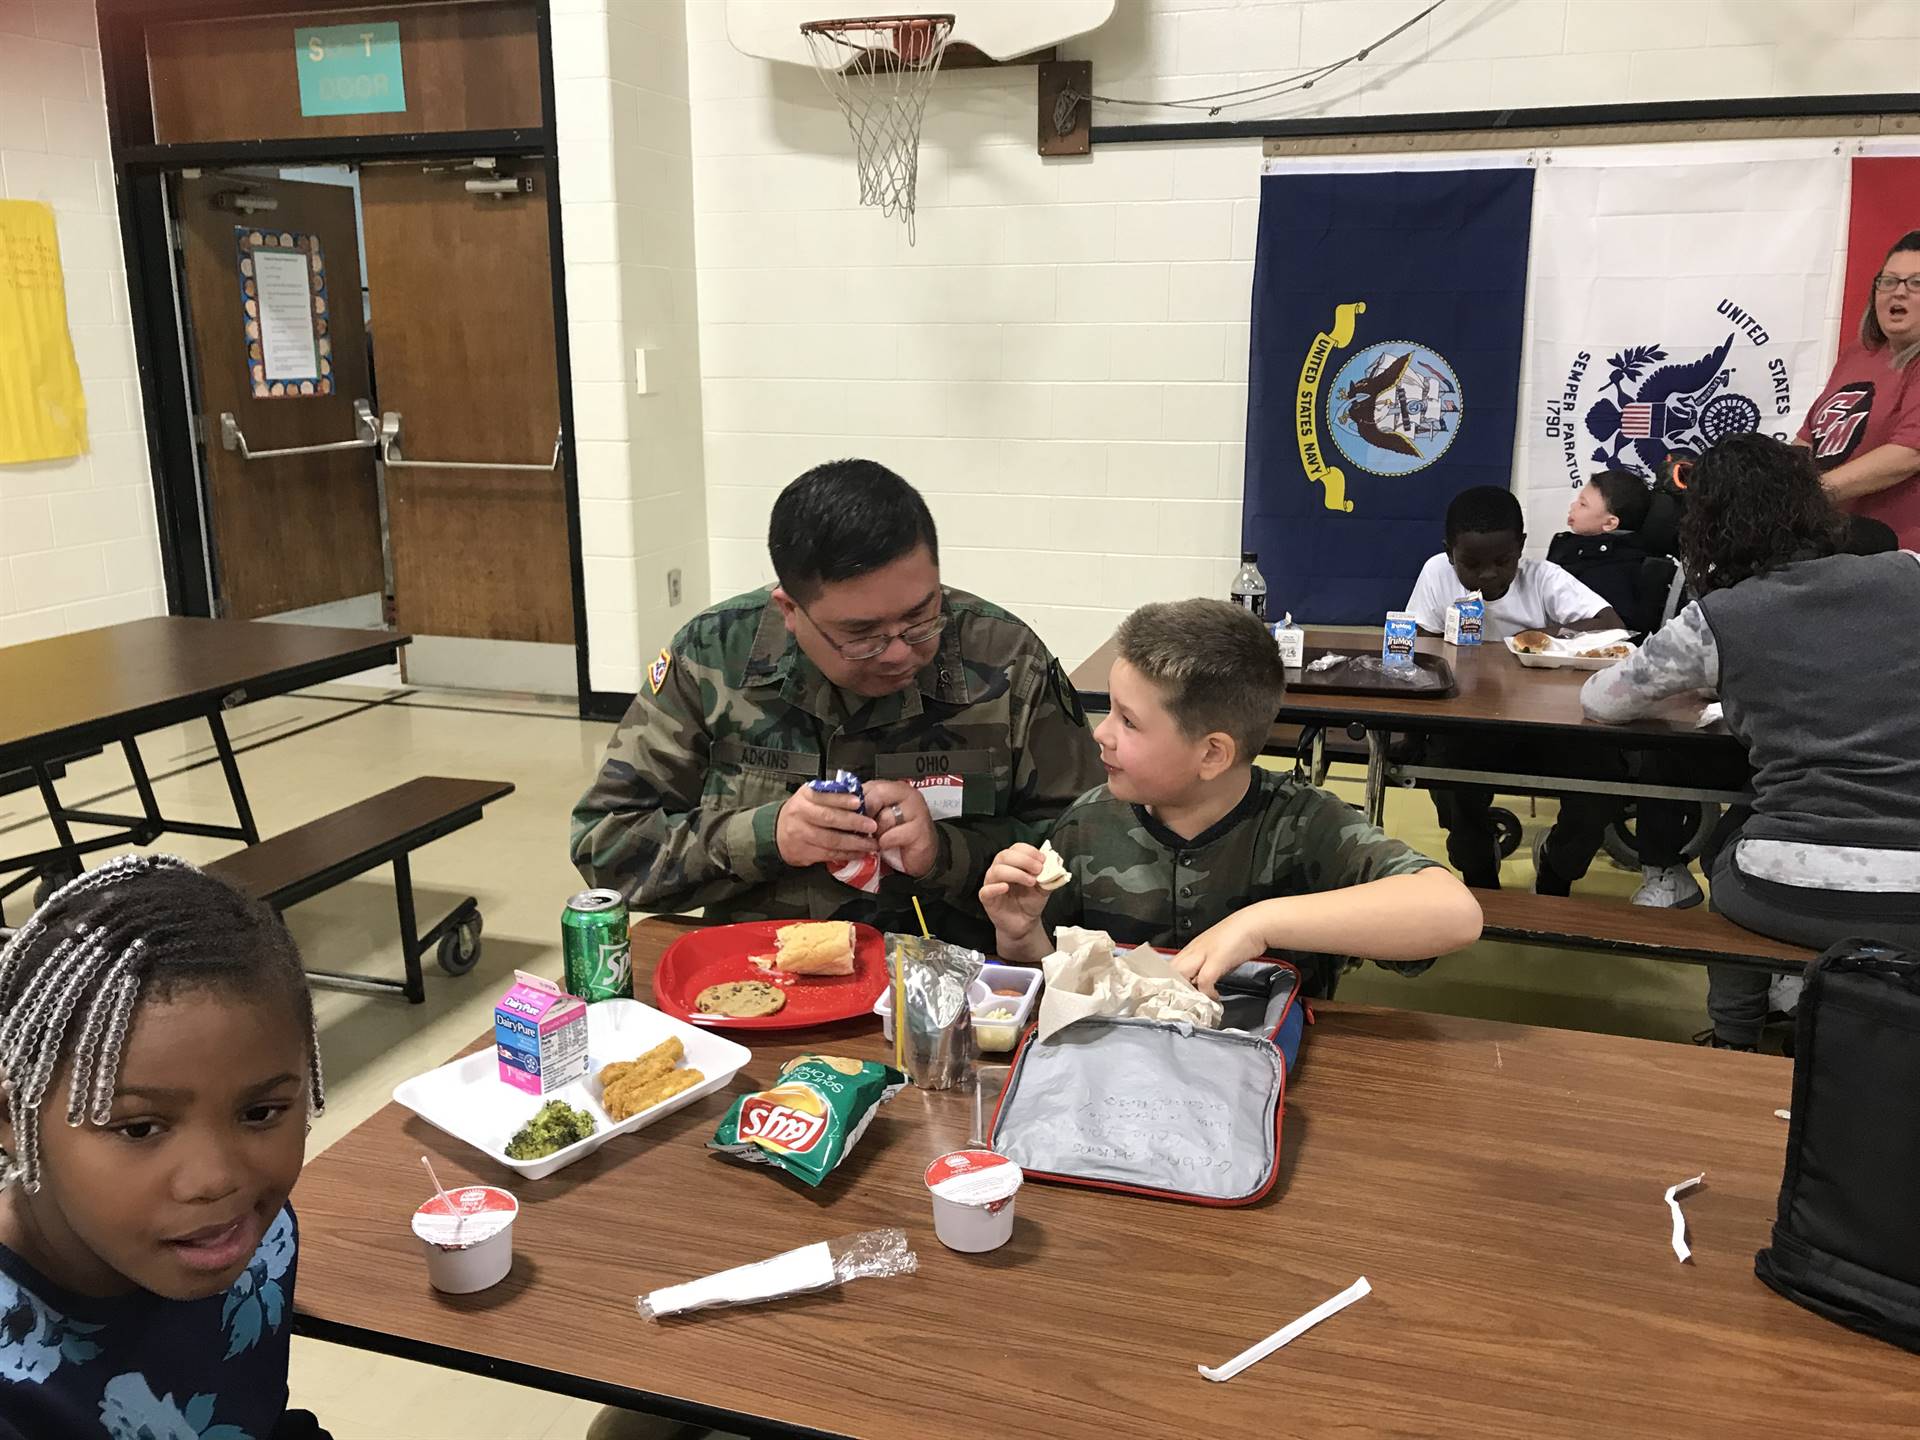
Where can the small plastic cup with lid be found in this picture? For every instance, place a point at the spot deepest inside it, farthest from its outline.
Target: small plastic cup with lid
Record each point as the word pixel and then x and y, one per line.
pixel 973 1193
pixel 467 1234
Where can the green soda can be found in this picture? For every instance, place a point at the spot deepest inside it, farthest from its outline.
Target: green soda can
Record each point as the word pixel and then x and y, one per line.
pixel 593 937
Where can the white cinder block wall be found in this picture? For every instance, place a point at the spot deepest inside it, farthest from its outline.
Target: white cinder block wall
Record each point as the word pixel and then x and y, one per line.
pixel 78 547
pixel 626 193
pixel 1060 362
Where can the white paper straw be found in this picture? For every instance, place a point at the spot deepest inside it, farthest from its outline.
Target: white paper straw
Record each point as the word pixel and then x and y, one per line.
pixel 1674 1192
pixel 1288 1333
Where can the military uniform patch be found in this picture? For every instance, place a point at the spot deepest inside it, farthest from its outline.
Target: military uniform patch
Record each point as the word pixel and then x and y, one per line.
pixel 657 675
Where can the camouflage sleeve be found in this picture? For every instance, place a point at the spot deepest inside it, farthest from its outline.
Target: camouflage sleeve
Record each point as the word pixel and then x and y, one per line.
pixel 646 829
pixel 1054 762
pixel 1679 657
pixel 1336 846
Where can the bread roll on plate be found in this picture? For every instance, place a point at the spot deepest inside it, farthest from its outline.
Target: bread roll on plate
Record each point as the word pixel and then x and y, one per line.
pixel 815 947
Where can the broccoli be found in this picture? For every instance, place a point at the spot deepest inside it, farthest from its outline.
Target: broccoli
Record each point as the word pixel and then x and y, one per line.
pixel 556 1126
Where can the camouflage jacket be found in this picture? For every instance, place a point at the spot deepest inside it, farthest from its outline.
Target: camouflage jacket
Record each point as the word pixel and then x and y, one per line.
pixel 734 717
pixel 1143 884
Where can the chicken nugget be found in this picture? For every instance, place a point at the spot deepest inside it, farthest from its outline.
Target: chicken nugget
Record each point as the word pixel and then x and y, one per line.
pixel 629 1100
pixel 657 1061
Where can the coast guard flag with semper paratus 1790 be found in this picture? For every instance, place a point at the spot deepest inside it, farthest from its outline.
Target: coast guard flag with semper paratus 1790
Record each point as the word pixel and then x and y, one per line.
pixel 1673 300
pixel 1384 374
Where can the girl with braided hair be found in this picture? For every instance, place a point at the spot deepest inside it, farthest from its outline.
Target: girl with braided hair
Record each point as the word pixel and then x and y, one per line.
pixel 159 1063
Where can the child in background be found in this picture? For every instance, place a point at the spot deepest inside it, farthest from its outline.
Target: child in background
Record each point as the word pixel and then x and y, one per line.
pixel 1190 844
pixel 157 1038
pixel 1601 546
pixel 1484 539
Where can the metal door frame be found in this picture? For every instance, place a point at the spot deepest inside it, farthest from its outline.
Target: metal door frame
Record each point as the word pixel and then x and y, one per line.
pixel 148 239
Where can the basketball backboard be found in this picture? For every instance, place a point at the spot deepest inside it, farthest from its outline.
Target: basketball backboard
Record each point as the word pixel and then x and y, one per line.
pixel 999 29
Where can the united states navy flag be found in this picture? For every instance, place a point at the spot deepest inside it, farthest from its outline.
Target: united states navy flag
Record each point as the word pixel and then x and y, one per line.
pixel 1385 363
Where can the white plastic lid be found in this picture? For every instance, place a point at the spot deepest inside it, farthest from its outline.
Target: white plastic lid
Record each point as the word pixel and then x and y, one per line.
pixel 973 1177
pixel 479 1212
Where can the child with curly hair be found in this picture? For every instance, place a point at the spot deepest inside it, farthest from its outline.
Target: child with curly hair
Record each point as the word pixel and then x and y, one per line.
pixel 146 1246
pixel 1811 652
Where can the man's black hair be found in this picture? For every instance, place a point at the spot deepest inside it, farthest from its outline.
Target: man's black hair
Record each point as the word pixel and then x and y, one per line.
pixel 842 519
pixel 1483 510
pixel 1626 496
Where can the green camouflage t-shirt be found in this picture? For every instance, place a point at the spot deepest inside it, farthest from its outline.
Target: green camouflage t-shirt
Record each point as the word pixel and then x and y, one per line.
pixel 1143 884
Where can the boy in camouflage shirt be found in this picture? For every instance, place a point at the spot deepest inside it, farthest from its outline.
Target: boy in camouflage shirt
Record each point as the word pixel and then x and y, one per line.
pixel 1190 844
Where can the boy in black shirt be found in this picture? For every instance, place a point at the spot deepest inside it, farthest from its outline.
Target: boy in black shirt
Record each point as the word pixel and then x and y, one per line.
pixel 1601 546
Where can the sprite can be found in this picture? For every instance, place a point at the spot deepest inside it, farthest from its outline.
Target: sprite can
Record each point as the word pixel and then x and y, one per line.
pixel 593 937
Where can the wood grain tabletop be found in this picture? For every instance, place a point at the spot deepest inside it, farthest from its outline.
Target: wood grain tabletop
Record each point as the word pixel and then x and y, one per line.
pixel 114 680
pixel 1499 1185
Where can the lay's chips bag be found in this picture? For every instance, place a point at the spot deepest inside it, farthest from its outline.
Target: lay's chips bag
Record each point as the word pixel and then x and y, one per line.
pixel 811 1120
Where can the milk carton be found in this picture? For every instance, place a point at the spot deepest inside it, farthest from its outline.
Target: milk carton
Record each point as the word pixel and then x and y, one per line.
pixel 1466 617
pixel 540 1032
pixel 1291 641
pixel 1396 646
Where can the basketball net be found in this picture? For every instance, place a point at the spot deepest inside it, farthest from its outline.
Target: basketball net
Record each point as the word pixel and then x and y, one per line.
pixel 880 71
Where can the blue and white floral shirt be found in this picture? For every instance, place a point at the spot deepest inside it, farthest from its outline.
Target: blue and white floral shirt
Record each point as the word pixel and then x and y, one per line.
pixel 137 1367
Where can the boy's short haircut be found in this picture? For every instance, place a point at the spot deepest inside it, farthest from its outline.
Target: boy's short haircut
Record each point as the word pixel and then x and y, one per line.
pixel 1626 496
pixel 1215 665
pixel 1483 510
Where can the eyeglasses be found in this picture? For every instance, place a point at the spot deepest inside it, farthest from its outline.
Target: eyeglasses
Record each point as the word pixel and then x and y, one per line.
pixel 872 647
pixel 1887 284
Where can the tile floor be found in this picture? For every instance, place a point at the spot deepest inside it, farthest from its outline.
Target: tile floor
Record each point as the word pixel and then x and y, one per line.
pixel 306 754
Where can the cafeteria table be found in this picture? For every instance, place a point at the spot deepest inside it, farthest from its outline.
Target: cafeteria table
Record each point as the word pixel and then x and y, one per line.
pixel 1500 1186
pixel 1495 693
pixel 73 693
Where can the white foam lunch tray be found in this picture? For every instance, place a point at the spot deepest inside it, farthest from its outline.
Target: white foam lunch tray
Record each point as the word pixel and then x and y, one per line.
pixel 468 1099
pixel 1565 654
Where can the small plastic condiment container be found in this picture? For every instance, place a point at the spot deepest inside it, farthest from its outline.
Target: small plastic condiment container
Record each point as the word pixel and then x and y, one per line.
pixel 470 1245
pixel 973 1193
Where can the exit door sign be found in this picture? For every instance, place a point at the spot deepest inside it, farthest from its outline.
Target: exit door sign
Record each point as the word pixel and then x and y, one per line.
pixel 349 69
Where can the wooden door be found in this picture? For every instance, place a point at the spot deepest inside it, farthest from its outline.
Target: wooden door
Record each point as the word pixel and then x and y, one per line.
pixel 295 530
pixel 462 297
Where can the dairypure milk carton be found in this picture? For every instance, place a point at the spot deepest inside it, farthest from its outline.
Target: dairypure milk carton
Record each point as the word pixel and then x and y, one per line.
pixel 1396 645
pixel 540 1032
pixel 1291 641
pixel 1466 619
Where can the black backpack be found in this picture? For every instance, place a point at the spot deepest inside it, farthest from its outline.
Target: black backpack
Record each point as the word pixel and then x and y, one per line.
pixel 1845 1243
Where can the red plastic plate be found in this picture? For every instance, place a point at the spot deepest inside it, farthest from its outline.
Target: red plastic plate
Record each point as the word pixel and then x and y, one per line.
pixel 712 956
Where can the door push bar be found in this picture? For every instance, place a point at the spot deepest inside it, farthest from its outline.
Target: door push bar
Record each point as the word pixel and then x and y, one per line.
pixel 390 453
pixel 366 435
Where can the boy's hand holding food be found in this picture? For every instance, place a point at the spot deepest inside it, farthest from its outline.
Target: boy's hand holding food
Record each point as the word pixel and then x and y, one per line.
pixel 1014 901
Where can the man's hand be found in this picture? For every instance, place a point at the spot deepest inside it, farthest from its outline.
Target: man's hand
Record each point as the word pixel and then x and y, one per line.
pixel 906 825
pixel 1216 952
pixel 822 828
pixel 1012 896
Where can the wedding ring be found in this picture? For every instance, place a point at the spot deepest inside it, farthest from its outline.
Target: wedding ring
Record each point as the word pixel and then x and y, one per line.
pixel 898 817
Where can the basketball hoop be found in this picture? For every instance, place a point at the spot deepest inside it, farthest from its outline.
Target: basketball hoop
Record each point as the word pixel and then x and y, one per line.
pixel 879 70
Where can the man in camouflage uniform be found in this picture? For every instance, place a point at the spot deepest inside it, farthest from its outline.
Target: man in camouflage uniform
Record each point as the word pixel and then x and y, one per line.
pixel 1192 847
pixel 954 714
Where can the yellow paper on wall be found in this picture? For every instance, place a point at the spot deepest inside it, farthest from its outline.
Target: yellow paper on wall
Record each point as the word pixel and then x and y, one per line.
pixel 43 413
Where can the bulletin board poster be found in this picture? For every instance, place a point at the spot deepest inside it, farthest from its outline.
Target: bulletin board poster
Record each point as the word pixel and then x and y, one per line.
pixel 285 318
pixel 43 413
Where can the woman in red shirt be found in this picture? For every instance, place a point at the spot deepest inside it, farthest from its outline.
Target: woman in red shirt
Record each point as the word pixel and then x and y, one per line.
pixel 1864 430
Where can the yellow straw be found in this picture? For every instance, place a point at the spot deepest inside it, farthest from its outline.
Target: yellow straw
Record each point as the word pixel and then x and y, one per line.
pixel 899 996
pixel 899 1015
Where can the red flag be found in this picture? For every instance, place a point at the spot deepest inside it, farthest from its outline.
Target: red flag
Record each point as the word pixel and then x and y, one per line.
pixel 1886 205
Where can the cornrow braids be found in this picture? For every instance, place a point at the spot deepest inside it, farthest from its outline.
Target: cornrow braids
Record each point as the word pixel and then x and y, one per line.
pixel 72 978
